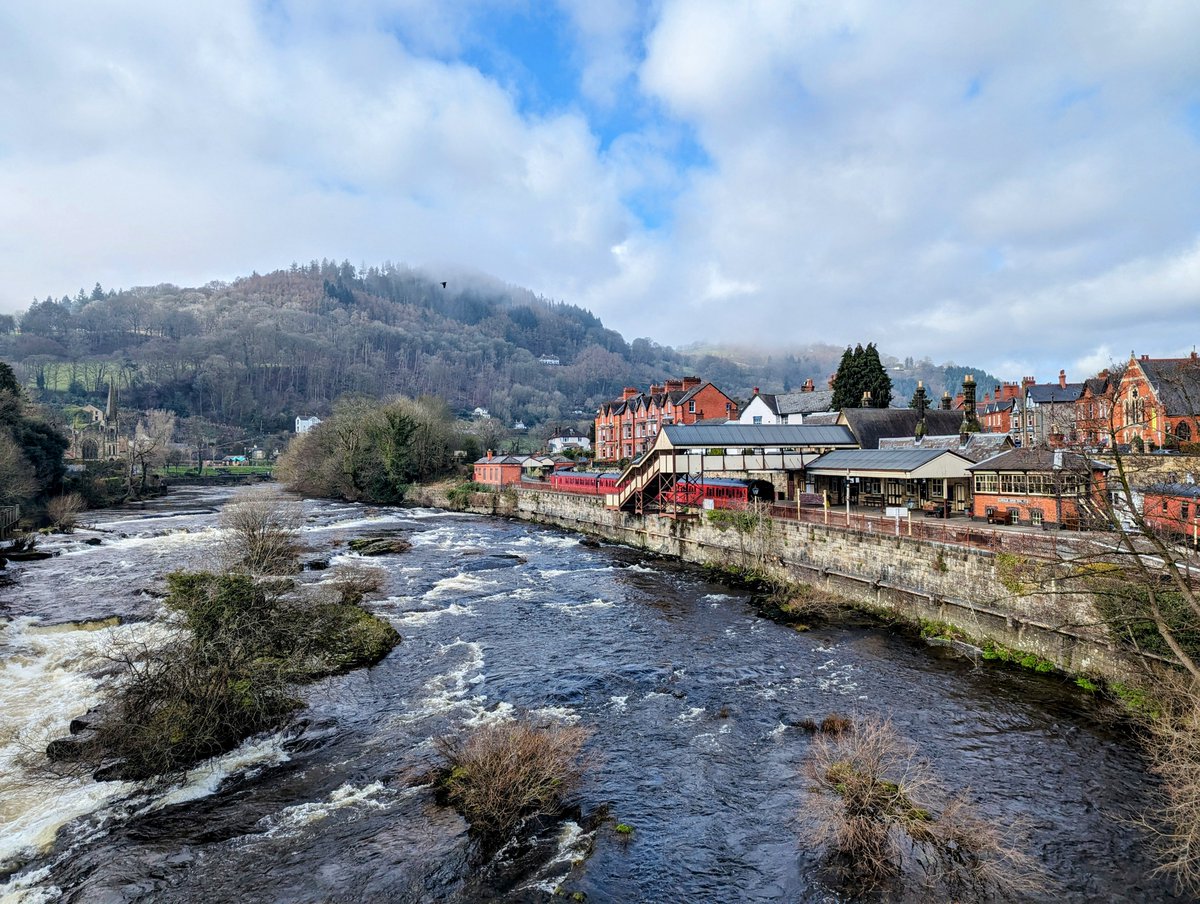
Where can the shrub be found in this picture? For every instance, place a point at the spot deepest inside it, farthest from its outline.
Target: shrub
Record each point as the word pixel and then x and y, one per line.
pixel 263 527
pixel 878 807
pixel 63 512
pixel 501 774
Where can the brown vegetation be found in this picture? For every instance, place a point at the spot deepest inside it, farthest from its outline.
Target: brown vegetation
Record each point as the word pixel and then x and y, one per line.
pixel 877 807
pixel 501 774
pixel 262 526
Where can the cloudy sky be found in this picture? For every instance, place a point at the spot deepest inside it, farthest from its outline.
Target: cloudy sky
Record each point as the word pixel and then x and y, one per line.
pixel 1014 184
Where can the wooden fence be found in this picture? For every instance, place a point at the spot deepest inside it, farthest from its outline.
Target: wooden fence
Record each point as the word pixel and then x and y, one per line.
pixel 9 515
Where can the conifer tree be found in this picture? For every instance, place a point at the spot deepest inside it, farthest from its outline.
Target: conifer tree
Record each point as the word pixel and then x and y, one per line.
pixel 861 371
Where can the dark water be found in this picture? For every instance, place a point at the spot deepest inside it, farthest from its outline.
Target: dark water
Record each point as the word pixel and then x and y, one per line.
pixel 687 693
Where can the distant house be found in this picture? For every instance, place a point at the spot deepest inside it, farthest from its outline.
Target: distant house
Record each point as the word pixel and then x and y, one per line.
pixel 1042 488
pixel 564 439
pixel 1093 411
pixel 1157 401
pixel 786 407
pixel 1049 413
pixel 549 360
pixel 480 412
pixel 305 422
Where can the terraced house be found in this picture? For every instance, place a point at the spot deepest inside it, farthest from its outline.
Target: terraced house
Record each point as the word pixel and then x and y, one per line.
pixel 626 427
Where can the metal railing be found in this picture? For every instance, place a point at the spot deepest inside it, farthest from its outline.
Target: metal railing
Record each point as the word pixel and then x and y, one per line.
pixel 9 515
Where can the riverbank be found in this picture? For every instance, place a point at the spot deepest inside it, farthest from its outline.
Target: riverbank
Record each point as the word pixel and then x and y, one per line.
pixel 971 594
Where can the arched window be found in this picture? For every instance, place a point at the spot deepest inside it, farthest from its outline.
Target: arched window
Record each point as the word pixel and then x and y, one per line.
pixel 1183 432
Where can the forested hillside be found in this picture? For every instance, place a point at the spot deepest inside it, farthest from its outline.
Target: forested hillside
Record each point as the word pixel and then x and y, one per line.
pixel 260 350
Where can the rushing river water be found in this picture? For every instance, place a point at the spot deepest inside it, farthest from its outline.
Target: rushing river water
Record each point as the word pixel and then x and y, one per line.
pixel 687 692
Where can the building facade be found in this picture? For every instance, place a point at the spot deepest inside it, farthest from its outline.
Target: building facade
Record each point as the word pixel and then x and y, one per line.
pixel 627 427
pixel 1157 401
pixel 1040 488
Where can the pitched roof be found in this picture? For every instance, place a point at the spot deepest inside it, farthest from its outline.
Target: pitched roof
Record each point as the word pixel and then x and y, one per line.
pixel 1039 460
pixel 901 460
pixel 1190 490
pixel 1052 393
pixel 870 424
pixel 804 402
pixel 757 435
pixel 978 446
pixel 1176 381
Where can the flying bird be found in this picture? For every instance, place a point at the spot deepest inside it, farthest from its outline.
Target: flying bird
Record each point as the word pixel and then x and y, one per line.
pixel 443 285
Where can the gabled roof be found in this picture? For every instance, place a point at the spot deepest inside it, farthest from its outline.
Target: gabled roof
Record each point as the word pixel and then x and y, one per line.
pixel 767 398
pixel 1039 460
pixel 1053 393
pixel 1176 381
pixel 870 424
pixel 502 460
pixel 804 402
pixel 757 435
pixel 914 463
pixel 978 447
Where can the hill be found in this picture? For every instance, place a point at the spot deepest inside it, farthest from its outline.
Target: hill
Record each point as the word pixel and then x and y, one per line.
pixel 262 349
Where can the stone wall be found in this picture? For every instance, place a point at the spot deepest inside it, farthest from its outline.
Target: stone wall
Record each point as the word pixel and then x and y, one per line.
pixel 911 579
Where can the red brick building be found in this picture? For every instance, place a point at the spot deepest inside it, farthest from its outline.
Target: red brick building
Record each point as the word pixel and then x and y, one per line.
pixel 626 427
pixel 1093 411
pixel 1157 401
pixel 499 470
pixel 996 411
pixel 1040 487
pixel 1173 509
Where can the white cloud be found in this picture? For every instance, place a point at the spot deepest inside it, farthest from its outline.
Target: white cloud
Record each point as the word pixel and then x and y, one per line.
pixel 1008 184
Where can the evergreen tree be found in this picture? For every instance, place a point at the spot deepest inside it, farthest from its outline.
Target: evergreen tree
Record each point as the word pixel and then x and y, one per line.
pixel 861 371
pixel 846 393
pixel 875 379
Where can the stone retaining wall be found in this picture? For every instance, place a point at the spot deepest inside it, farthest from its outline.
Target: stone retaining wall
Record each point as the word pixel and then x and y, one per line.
pixel 913 579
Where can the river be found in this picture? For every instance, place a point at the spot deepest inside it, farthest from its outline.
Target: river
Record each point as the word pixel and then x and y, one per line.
pixel 688 694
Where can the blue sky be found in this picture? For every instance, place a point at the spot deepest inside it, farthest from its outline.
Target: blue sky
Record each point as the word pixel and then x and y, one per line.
pixel 1015 185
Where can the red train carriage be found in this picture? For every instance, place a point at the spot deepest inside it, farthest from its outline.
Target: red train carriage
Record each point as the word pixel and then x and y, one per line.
pixel 589 483
pixel 725 492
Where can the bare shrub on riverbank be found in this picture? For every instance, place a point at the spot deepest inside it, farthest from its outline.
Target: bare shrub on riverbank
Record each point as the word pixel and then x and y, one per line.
pixel 63 512
pixel 878 806
pixel 500 774
pixel 263 534
pixel 1172 739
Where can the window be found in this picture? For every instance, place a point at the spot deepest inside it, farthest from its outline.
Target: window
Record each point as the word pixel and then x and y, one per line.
pixel 1183 510
pixel 1164 506
pixel 691 407
pixel 985 483
pixel 758 418
pixel 1035 517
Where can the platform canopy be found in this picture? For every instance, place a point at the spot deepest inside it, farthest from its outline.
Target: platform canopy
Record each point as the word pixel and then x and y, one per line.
pixel 909 464
pixel 806 437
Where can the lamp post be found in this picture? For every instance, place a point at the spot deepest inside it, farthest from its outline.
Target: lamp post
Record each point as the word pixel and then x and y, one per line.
pixel 847 497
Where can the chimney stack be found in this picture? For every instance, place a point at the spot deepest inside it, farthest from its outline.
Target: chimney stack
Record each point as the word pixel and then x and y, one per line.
pixel 808 386
pixel 866 399
pixel 756 390
pixel 946 400
pixel 970 422
pixel 1062 379
pixel 691 382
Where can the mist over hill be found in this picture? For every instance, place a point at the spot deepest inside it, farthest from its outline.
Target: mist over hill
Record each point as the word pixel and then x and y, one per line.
pixel 264 348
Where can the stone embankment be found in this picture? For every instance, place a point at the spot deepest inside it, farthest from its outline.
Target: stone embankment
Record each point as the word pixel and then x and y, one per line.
pixel 980 593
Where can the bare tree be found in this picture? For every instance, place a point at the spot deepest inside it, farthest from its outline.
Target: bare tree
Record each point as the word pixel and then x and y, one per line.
pixel 17 480
pixel 262 527
pixel 150 445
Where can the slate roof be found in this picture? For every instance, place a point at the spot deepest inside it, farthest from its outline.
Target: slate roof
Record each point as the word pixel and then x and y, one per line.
pixel 1039 460
pixel 758 435
pixel 1176 382
pixel 902 460
pixel 978 447
pixel 871 424
pixel 1053 393
pixel 1190 490
pixel 503 460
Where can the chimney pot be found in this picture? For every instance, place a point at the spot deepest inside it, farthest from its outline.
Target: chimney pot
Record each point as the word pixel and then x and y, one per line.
pixel 756 390
pixel 808 385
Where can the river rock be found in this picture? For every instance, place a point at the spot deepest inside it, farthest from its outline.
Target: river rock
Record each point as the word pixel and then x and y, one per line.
pixel 379 546
pixel 317 564
pixel 93 541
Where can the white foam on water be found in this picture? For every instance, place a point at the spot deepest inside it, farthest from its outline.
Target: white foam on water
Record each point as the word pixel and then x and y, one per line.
pixel 293 820
pixel 563 714
pixel 44 683
pixel 206 778
pixel 777 731
pixel 618 703
pixel 461 583
pixel 691 715
pixel 419 617
pixel 24 889
pixel 501 712
pixel 572 846
pixel 450 690
pixel 580 608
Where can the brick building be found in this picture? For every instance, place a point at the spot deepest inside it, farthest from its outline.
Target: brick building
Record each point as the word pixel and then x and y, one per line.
pixel 1157 401
pixel 499 470
pixel 1048 413
pixel 1040 487
pixel 626 427
pixel 1093 411
pixel 996 410
pixel 1173 509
